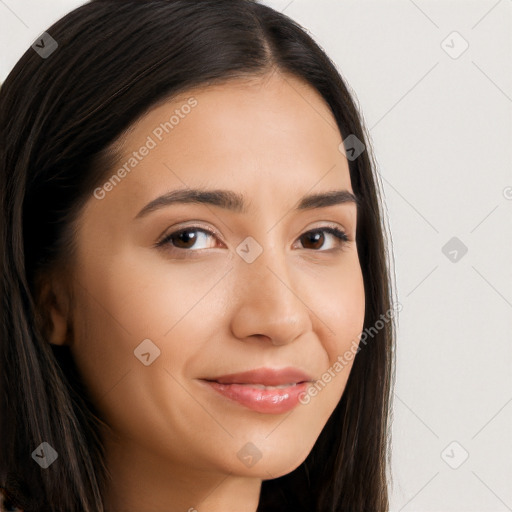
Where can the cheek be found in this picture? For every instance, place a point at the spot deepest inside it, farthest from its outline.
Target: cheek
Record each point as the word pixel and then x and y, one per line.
pixel 342 307
pixel 125 301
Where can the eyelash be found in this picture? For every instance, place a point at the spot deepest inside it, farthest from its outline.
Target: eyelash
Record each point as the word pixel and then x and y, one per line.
pixel 335 231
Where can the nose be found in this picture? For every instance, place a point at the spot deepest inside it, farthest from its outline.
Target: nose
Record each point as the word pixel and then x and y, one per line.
pixel 268 304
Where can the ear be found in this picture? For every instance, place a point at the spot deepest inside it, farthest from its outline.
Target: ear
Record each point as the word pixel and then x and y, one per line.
pixel 53 312
pixel 59 326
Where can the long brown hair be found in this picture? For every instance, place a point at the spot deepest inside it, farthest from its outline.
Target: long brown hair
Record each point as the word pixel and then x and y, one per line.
pixel 58 115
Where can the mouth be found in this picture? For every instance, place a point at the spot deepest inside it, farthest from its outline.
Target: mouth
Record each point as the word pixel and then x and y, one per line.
pixel 262 386
pixel 264 390
pixel 267 377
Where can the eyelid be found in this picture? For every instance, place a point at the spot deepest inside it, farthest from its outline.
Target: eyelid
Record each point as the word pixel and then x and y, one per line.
pixel 326 225
pixel 333 225
pixel 196 226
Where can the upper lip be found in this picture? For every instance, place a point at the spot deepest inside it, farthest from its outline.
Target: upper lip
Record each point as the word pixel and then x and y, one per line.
pixel 265 377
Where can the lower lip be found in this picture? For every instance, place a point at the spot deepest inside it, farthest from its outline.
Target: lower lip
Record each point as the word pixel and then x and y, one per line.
pixel 268 400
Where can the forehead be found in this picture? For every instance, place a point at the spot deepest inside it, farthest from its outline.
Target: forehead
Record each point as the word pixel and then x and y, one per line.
pixel 274 132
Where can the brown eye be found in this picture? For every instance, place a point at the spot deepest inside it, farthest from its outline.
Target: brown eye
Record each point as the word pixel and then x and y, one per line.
pixel 187 238
pixel 315 239
pixel 184 239
pixel 195 238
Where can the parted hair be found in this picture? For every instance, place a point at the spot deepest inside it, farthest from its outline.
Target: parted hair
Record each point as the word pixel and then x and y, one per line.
pixel 58 115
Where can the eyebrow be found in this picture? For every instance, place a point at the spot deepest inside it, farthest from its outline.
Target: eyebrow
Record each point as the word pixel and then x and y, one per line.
pixel 235 202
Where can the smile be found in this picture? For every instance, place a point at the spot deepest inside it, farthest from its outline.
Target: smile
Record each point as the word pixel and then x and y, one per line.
pixel 262 390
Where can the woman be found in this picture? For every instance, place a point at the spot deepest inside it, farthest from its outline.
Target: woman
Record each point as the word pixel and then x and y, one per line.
pixel 193 252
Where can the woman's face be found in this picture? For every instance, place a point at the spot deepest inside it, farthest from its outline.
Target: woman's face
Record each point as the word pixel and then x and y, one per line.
pixel 267 285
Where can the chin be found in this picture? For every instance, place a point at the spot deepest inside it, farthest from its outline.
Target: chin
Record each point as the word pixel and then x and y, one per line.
pixel 269 463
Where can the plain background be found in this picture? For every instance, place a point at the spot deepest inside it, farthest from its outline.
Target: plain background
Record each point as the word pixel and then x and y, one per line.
pixel 440 121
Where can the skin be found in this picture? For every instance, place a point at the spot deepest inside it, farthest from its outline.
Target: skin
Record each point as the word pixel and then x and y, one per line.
pixel 172 444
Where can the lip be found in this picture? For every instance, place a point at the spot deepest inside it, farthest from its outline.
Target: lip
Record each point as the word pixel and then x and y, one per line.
pixel 265 377
pixel 255 389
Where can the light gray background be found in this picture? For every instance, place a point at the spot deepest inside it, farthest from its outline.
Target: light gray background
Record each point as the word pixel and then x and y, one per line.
pixel 441 129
